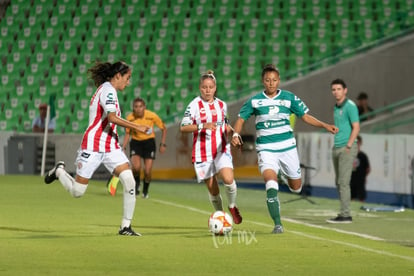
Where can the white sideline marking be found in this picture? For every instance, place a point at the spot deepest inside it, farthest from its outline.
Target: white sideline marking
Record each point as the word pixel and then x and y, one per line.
pixel 303 234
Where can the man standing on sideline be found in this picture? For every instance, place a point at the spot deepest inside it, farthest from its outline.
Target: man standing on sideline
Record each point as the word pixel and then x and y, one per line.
pixel 345 148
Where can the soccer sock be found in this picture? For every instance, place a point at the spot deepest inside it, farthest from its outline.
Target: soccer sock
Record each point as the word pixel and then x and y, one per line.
pixel 231 192
pixel 74 188
pixel 272 200
pixel 146 187
pixel 216 202
pixel 137 178
pixel 128 182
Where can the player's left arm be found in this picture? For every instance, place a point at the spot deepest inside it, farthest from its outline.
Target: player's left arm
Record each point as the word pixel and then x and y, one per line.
pixel 310 120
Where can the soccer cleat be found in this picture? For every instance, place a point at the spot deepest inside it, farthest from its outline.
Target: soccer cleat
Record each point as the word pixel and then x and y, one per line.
pixel 112 185
pixel 237 218
pixel 145 196
pixel 340 219
pixel 278 229
pixel 51 175
pixel 127 231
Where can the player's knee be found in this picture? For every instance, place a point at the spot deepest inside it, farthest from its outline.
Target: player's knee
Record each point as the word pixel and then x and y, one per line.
pixel 295 189
pixel 295 185
pixel 127 179
pixel 78 189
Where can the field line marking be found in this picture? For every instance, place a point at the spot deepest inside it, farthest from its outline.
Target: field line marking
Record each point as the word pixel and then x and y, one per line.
pixel 336 230
pixel 304 234
pixel 380 252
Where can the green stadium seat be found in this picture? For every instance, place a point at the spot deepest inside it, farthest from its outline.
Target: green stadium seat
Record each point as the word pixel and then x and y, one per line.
pixel 274 48
pixel 408 20
pixel 79 126
pixel 298 47
pixel 321 50
pixel 313 13
pixel 206 48
pixel 32 80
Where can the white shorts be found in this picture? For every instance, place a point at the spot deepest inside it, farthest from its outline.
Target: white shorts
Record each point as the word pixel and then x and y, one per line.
pixel 287 161
pixel 205 170
pixel 88 161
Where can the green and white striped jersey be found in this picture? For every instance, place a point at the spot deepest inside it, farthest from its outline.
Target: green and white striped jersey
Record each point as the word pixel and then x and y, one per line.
pixel 273 130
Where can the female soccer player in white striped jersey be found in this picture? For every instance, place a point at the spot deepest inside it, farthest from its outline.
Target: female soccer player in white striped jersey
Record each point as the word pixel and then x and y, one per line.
pixel 275 142
pixel 205 117
pixel 100 142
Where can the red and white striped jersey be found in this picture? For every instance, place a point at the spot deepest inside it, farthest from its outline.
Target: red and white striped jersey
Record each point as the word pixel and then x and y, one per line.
pixel 207 143
pixel 101 135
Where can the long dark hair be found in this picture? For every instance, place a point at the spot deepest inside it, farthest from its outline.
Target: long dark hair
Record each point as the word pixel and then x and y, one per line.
pixel 105 71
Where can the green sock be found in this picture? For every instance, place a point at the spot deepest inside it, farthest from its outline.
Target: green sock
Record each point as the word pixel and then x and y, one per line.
pixel 273 205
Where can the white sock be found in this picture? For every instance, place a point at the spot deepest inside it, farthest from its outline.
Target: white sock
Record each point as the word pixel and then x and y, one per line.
pixel 231 192
pixel 68 182
pixel 216 202
pixel 65 178
pixel 127 179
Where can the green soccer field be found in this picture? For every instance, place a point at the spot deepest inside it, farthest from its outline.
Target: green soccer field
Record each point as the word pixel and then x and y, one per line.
pixel 44 231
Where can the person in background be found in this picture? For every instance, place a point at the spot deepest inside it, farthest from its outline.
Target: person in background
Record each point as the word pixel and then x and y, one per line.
pixel 39 123
pixel 142 145
pixel 275 140
pixel 206 117
pixel 100 144
pixel 363 106
pixel 345 149
pixel 361 169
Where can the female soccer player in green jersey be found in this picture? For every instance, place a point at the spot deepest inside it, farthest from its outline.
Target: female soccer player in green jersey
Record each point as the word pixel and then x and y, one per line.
pixel 275 141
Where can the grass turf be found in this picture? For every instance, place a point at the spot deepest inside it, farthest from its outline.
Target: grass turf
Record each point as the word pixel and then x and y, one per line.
pixel 45 231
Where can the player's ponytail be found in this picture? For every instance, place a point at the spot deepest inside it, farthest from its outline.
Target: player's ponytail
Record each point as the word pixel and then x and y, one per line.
pixel 105 71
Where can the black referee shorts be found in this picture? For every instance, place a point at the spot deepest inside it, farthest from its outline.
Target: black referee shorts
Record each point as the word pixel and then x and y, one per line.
pixel 145 148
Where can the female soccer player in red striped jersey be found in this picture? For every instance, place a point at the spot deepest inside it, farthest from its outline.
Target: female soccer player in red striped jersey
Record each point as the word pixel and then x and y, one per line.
pixel 205 117
pixel 100 143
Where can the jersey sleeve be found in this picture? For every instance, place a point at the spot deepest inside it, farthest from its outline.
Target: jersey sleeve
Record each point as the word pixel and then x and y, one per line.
pixel 353 113
pixel 109 99
pixel 189 115
pixel 298 107
pixel 246 110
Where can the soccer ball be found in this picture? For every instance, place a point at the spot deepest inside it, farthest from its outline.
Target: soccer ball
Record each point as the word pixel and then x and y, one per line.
pixel 220 223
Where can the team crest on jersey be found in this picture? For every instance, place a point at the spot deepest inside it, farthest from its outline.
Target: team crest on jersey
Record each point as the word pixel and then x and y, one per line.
pixel 79 165
pixel 202 110
pixel 273 110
